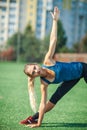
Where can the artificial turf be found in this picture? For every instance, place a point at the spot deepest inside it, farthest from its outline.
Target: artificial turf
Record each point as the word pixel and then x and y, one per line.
pixel 70 113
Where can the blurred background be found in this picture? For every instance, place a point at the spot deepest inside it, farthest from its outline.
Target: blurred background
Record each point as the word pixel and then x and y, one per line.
pixel 25 27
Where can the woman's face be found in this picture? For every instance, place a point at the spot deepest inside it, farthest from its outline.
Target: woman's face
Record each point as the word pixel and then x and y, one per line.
pixel 34 70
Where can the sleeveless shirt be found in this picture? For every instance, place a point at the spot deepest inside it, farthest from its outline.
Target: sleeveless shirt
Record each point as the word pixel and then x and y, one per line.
pixel 64 71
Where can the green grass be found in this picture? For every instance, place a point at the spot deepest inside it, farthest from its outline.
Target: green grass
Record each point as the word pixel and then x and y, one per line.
pixel 70 112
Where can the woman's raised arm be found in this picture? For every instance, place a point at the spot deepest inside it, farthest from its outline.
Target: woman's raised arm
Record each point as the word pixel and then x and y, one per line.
pixel 53 35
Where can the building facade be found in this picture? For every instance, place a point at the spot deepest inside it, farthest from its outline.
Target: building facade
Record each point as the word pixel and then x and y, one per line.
pixel 74 19
pixel 9 19
pixel 16 14
pixel 73 16
pixel 14 17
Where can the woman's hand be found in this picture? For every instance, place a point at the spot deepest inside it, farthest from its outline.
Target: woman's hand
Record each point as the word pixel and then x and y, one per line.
pixel 55 14
pixel 33 125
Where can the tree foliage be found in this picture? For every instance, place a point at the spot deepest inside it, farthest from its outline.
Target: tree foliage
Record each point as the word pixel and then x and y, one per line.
pixel 62 39
pixel 29 47
pixel 32 49
pixel 83 44
pixel 81 47
pixel 13 41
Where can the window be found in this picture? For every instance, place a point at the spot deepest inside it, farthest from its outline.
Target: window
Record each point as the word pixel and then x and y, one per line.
pixel 13 1
pixel 3 0
pixel 1 38
pixel 31 13
pixel 2 24
pixel 40 3
pixel 39 11
pixel 2 16
pixel 11 16
pixel 3 9
pixel 39 18
pixel 11 31
pixel 31 6
pixel 39 25
pixel 12 8
pixel 2 31
pixel 11 23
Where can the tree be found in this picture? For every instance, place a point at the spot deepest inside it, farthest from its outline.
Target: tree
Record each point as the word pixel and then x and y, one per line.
pixel 44 46
pixel 81 47
pixel 31 48
pixel 83 44
pixel 30 45
pixel 76 47
pixel 28 30
pixel 62 39
pixel 13 41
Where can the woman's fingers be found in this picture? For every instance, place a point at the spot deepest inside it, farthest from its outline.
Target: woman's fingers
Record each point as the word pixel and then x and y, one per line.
pixel 56 14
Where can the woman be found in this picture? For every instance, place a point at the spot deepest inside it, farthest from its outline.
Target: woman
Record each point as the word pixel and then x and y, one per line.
pixel 52 73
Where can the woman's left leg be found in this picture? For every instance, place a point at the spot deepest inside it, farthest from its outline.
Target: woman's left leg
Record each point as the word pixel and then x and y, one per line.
pixel 58 94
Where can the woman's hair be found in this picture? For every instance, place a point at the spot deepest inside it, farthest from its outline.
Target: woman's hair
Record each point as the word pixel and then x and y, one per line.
pixel 32 96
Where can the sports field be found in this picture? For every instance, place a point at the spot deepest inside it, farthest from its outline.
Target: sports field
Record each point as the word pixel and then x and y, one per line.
pixel 69 114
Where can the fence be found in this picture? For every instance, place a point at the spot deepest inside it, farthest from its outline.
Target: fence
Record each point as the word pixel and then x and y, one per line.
pixel 67 57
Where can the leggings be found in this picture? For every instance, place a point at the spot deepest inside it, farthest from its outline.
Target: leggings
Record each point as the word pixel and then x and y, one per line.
pixel 62 90
pixel 67 85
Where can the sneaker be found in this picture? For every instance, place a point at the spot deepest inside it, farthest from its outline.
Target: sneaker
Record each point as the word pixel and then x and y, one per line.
pixel 28 121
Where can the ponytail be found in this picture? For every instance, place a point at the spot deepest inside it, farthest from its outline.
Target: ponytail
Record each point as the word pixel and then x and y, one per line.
pixel 31 92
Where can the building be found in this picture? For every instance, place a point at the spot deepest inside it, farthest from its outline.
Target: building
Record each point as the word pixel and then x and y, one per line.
pixel 27 14
pixel 74 19
pixel 9 19
pixel 44 19
pixel 16 14
pixel 14 17
pixel 79 21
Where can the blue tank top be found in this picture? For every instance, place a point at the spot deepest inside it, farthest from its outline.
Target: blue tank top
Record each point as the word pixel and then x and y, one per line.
pixel 64 71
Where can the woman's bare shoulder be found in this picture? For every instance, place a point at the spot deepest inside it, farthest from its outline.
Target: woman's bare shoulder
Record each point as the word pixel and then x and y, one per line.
pixel 49 62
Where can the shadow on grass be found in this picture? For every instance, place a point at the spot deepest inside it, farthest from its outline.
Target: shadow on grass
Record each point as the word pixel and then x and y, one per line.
pixel 71 125
pixel 50 125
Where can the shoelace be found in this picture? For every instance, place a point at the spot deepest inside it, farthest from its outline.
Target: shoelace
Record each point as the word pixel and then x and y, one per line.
pixel 30 120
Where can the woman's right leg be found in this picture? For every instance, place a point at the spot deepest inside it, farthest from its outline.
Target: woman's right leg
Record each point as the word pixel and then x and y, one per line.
pixel 62 90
